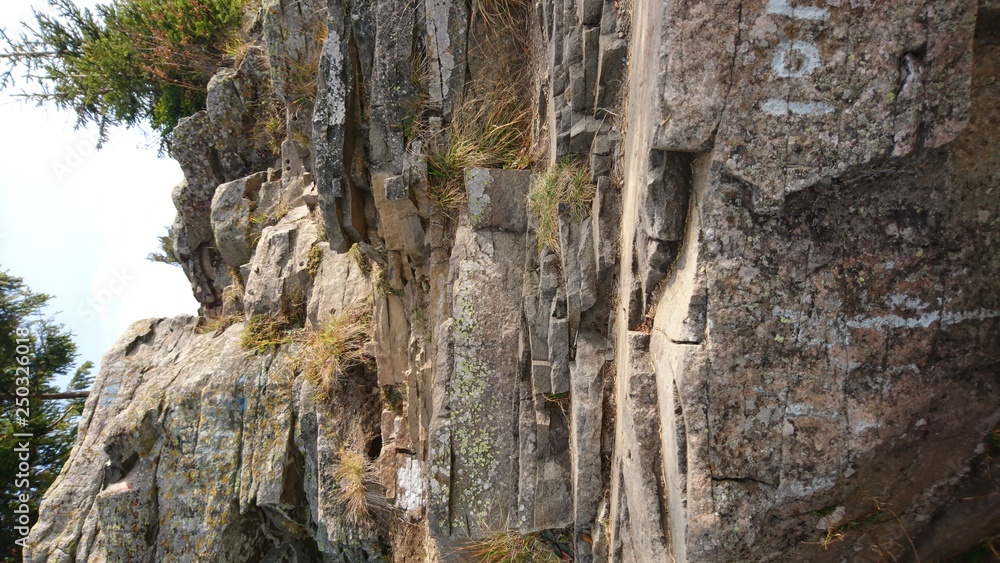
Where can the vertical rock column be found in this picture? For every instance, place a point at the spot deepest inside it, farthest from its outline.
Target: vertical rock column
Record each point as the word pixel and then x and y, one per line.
pixel 473 458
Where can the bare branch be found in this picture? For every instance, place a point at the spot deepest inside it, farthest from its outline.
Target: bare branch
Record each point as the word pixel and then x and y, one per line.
pixel 50 396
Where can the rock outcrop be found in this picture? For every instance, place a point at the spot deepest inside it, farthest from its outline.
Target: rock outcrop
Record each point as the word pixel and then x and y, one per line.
pixel 769 333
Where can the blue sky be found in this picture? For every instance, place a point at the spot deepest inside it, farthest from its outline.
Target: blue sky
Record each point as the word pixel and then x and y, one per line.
pixel 77 223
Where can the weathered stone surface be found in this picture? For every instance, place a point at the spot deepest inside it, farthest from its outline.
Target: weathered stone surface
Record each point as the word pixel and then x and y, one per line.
pixel 394 95
pixel 591 69
pixel 447 30
pixel 199 265
pixel 329 122
pixel 231 218
pixel 586 395
pixel 816 105
pixel 611 69
pixel 497 198
pixel 193 149
pixel 637 503
pixel 399 221
pixel 193 449
pixel 582 134
pixel 830 349
pixel 339 285
pixel 663 208
pixel 799 350
pixel 231 110
pixel 278 280
pixel 472 432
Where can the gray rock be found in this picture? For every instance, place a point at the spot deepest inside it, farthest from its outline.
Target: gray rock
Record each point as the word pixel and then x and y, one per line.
pixel 231 218
pixel 217 475
pixel 832 112
pixel 611 69
pixel 200 266
pixel 329 123
pixel 399 221
pixel 486 268
pixel 582 134
pixel 193 148
pixel 394 95
pixel 279 281
pixel 230 103
pixel 497 198
pixel 472 432
pixel 591 68
pixel 639 509
pixel 589 11
pixel 576 94
pixel 446 24
pixel 587 394
pixel 339 285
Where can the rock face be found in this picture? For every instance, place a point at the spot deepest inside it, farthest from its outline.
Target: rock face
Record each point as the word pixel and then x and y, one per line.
pixel 769 335
pixel 817 344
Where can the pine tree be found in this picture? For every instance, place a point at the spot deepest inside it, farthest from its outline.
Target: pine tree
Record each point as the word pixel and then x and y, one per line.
pixel 34 351
pixel 125 63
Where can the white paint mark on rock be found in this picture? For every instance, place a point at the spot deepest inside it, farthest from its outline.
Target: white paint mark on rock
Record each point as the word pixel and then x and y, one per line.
pixel 781 107
pixel 785 67
pixel 784 8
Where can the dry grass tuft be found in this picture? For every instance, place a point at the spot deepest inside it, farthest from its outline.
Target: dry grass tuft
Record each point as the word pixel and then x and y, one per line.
pixel 359 488
pixel 499 14
pixel 567 182
pixel 360 259
pixel 510 547
pixel 263 332
pixel 337 347
pixel 217 325
pixel 491 130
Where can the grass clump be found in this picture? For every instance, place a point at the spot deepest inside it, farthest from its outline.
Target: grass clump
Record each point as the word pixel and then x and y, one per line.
pixel 359 488
pixel 338 346
pixel 260 220
pixel 263 332
pixel 218 325
pixel 567 182
pixel 359 258
pixel 491 130
pixel 499 14
pixel 381 286
pixel 302 69
pixel 510 547
pixel 270 130
pixel 314 260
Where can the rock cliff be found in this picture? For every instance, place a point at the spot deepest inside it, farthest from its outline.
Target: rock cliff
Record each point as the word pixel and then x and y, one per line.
pixel 768 331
